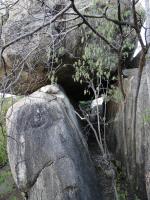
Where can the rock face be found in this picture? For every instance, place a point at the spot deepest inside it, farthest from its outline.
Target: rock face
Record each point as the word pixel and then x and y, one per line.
pixel 31 60
pixel 35 56
pixel 47 152
pixel 121 116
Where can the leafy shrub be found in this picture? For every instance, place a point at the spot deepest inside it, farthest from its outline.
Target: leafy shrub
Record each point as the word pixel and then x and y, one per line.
pixel 5 103
pixel 4 175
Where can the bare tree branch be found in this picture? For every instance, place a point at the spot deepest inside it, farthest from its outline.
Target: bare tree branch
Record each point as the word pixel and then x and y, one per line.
pixel 93 29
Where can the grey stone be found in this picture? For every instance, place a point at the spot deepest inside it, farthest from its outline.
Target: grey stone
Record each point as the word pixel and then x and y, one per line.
pixel 120 117
pixel 48 155
pixel 32 58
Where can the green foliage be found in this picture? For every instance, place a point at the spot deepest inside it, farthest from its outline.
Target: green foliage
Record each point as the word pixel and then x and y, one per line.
pixel 5 104
pixel 115 94
pixel 121 182
pixel 146 116
pixel 13 198
pixel 52 77
pixel 55 62
pixel 98 59
pixel 122 195
pixel 128 47
pixel 95 64
pixel 7 186
pixel 4 175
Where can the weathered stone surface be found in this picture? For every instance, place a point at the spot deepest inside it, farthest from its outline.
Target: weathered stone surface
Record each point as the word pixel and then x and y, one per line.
pixel 25 17
pixel 47 152
pixel 30 59
pixel 120 127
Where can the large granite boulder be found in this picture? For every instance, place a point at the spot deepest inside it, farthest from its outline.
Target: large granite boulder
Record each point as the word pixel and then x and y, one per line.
pixel 47 153
pixel 134 155
pixel 32 59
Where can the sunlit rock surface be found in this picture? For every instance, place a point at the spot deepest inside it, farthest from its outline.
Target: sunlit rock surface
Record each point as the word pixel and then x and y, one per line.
pixel 47 152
